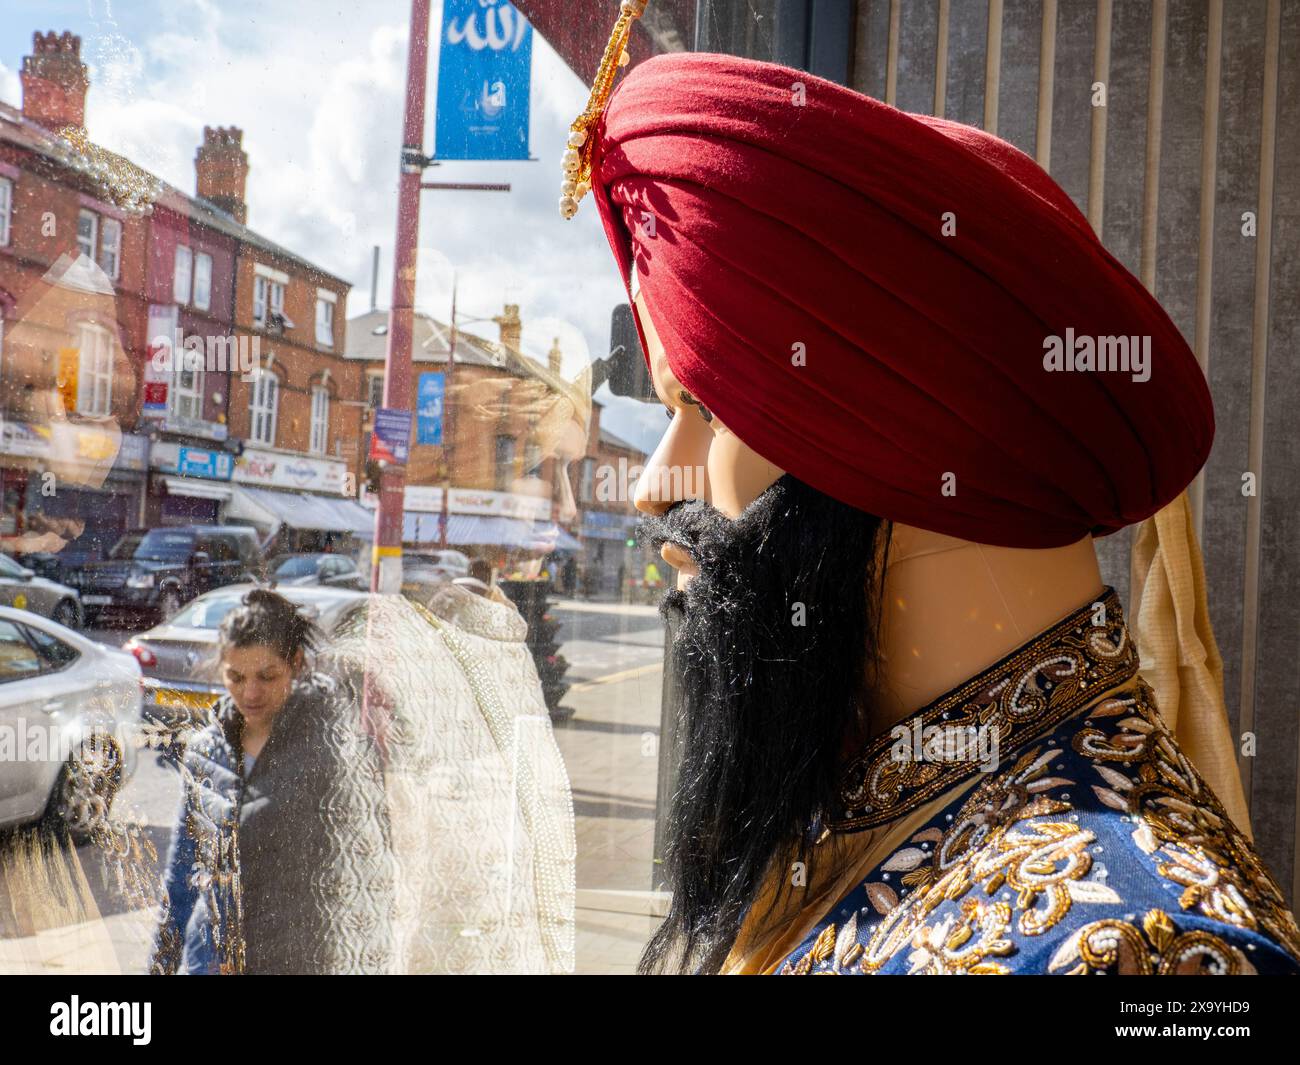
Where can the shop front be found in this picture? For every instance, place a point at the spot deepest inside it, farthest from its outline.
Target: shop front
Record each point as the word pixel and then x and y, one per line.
pixel 297 502
pixel 69 490
pixel 188 485
pixel 506 529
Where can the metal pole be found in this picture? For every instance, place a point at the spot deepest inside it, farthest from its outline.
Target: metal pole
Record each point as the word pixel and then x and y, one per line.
pixel 374 281
pixel 447 406
pixel 401 314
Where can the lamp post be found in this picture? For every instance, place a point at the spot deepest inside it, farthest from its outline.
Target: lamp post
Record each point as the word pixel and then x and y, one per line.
pixel 386 555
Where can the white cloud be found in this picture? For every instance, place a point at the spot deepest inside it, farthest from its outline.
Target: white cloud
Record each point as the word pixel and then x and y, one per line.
pixel 320 101
pixel 11 91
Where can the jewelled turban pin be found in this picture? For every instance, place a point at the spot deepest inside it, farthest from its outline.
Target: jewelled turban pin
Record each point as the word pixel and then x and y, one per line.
pixel 577 157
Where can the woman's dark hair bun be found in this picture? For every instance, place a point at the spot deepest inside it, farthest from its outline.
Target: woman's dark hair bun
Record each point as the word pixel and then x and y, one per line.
pixel 266 617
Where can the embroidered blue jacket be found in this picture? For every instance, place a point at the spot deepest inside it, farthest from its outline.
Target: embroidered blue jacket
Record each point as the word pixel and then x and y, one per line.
pixel 1093 847
pixel 200 929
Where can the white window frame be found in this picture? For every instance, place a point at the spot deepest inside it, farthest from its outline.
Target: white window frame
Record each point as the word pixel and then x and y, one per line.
pixel 182 274
pixel 187 402
pixel 320 419
pixel 268 293
pixel 203 281
pixel 325 301
pixel 83 215
pixel 110 248
pixel 6 211
pixel 264 407
pixel 260 286
pixel 374 388
pixel 94 369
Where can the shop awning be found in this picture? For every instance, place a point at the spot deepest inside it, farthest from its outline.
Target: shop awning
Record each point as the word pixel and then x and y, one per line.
pixel 482 530
pixel 299 510
pixel 243 506
pixel 197 489
pixel 418 527
pixel 520 533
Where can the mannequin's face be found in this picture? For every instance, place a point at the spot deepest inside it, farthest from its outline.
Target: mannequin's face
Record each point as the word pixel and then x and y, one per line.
pixel 698 456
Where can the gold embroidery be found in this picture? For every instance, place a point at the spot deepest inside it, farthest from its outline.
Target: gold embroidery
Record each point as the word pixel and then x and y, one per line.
pixel 1016 834
pixel 1179 819
pixel 1157 948
pixel 1021 697
pixel 964 945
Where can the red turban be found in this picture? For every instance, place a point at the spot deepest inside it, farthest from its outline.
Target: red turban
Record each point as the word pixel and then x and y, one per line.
pixel 865 297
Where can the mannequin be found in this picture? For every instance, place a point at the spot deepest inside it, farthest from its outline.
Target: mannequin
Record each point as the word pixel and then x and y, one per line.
pixel 958 617
pixel 841 376
pixel 950 607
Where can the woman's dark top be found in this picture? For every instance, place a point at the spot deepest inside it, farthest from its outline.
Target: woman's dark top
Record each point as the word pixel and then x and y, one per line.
pixel 264 868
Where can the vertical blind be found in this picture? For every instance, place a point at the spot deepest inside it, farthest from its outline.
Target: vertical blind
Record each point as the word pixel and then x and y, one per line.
pixel 1175 127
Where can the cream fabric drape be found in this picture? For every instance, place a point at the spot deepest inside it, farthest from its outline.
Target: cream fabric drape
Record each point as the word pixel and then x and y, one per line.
pixel 1170 618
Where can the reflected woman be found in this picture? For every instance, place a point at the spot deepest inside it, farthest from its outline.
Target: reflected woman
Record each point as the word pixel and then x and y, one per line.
pixel 273 788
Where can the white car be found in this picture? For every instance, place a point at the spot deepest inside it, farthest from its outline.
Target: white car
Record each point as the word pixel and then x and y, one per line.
pixel 69 708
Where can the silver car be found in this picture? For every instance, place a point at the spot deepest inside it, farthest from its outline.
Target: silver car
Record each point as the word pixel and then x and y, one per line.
pixel 69 713
pixel 178 657
pixel 20 587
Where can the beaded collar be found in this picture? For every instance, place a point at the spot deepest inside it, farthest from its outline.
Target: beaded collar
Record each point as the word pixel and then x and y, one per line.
pixel 1030 691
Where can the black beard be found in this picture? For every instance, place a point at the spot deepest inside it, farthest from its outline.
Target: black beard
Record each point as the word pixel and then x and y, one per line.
pixel 764 704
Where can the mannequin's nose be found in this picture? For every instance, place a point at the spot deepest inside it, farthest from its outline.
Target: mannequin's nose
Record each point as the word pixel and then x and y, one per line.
pixel 676 470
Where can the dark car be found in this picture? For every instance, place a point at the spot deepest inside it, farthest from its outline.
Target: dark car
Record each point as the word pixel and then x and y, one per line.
pixel 320 568
pixel 153 572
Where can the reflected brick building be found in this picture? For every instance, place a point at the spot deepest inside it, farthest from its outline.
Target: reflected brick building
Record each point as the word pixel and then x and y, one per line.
pixel 270 409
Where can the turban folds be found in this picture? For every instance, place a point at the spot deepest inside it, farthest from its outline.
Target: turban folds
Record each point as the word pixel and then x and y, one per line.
pixel 867 298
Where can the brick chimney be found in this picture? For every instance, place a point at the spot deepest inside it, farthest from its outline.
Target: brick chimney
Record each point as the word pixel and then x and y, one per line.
pixel 55 81
pixel 222 169
pixel 511 326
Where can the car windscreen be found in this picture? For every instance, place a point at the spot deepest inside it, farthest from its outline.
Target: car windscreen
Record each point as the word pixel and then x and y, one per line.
pixel 163 545
pixel 303 566
pixel 10 568
pixel 206 612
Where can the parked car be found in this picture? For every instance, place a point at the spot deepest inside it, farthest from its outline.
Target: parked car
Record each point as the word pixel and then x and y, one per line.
pixel 52 565
pixel 152 573
pixel 177 657
pixel 322 568
pixel 423 574
pixel 63 694
pixel 448 564
pixel 23 589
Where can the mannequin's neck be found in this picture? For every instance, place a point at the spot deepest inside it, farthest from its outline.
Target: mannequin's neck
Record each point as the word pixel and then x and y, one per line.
pixel 952 608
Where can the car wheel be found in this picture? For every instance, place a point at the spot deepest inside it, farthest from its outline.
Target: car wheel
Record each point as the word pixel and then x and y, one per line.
pixel 85 789
pixel 67 614
pixel 169 604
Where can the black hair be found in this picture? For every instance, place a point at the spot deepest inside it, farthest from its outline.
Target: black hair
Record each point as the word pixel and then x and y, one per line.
pixel 268 618
pixel 775 659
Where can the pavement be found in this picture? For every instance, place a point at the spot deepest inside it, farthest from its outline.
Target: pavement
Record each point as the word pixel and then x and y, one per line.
pixel 610 748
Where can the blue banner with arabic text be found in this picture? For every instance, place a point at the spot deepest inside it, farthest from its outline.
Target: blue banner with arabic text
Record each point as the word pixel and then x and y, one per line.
pixel 484 68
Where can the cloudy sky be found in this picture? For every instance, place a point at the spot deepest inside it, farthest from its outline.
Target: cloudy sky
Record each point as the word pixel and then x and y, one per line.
pixel 317 87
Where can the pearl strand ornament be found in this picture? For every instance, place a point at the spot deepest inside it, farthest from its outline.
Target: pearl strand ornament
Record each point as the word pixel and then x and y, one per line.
pixel 576 161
